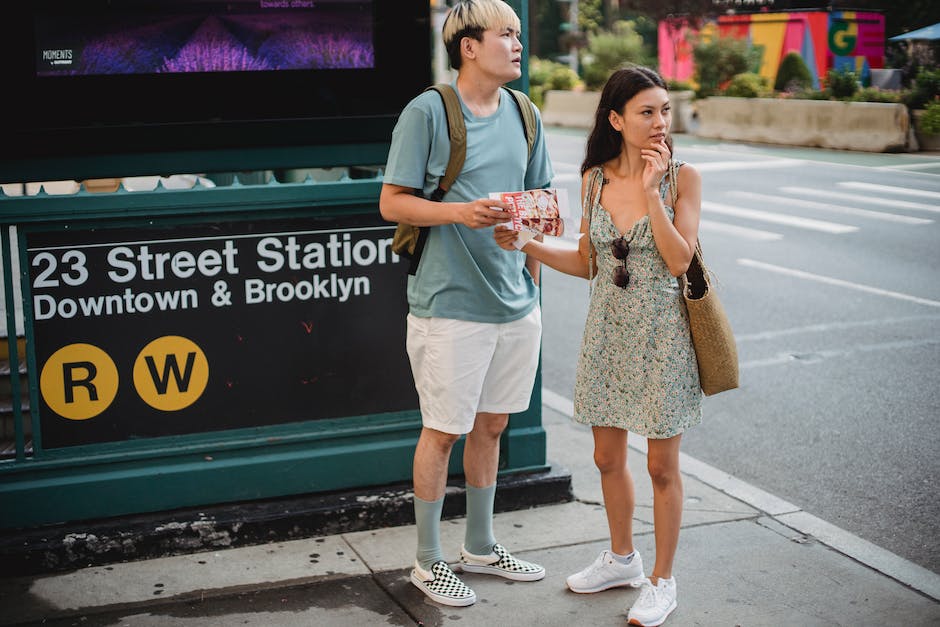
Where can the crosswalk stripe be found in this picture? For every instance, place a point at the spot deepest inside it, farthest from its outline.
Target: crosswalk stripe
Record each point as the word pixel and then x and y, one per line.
pixel 886 202
pixel 722 166
pixel 829 327
pixel 776 218
pixel 800 274
pixel 890 189
pixel 822 206
pixel 709 226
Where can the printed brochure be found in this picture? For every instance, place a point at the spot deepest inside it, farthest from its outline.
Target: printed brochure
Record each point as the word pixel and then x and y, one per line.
pixel 543 211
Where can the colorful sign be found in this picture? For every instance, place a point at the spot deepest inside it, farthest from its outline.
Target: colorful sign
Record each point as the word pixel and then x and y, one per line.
pixel 837 40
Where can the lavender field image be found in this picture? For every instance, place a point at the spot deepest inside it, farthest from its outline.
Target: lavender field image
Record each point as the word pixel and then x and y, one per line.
pixel 323 36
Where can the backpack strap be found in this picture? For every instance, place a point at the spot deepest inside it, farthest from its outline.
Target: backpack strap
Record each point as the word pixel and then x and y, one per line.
pixel 457 132
pixel 527 111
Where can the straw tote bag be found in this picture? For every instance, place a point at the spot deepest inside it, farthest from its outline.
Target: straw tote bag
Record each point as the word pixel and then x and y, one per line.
pixel 715 348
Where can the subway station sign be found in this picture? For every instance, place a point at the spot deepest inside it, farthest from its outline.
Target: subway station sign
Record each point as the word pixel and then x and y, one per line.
pixel 156 331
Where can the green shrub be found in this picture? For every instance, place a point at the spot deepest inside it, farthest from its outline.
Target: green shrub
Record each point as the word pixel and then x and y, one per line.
pixel 562 77
pixel 929 123
pixel 747 85
pixel 793 74
pixel 717 61
pixel 811 94
pixel 545 75
pixel 874 94
pixel 842 84
pixel 674 85
pixel 540 70
pixel 610 50
pixel 537 95
pixel 926 88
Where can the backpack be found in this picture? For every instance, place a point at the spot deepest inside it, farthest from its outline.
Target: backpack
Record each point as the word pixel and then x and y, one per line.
pixel 409 240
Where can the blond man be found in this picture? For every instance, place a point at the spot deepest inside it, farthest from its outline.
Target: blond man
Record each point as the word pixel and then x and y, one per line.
pixel 474 326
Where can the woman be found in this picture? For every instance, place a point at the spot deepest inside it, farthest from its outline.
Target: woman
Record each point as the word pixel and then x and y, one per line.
pixel 637 369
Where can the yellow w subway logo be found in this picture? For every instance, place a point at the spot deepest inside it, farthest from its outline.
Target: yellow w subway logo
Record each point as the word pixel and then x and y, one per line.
pixel 79 381
pixel 162 382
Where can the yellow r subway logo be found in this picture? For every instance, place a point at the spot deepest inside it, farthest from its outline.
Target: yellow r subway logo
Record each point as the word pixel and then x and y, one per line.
pixel 80 381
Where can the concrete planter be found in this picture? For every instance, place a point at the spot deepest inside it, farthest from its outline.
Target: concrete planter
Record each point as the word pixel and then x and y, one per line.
pixel 682 110
pixel 577 108
pixel 925 141
pixel 570 108
pixel 864 126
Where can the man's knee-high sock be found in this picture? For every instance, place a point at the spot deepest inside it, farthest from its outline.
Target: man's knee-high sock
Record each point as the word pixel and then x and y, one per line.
pixel 479 538
pixel 428 520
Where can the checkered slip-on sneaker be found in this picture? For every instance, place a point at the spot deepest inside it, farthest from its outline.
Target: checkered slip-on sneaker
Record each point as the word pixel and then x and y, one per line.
pixel 501 563
pixel 442 585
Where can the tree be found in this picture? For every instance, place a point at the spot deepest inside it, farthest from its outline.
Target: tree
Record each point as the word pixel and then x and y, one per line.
pixel 694 11
pixel 717 61
pixel 609 50
pixel 793 74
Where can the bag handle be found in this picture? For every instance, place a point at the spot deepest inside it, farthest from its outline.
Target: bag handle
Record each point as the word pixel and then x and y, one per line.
pixel 697 276
pixel 592 196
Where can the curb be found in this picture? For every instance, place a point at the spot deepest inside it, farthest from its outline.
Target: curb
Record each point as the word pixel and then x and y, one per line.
pixel 95 543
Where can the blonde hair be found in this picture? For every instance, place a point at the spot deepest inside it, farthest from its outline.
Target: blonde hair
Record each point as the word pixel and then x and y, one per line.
pixel 469 18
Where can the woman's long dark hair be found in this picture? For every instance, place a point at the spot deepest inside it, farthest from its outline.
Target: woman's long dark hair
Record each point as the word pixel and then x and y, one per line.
pixel 605 141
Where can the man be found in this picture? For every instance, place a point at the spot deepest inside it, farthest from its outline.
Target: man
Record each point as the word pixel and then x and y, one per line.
pixel 474 325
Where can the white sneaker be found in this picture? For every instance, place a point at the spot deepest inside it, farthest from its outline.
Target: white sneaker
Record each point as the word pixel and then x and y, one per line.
pixel 442 585
pixel 655 603
pixel 606 572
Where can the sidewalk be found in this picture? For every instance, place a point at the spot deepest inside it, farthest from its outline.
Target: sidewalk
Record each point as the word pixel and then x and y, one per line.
pixel 745 558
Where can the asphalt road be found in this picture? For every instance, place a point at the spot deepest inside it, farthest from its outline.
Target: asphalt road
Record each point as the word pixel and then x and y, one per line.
pixel 825 262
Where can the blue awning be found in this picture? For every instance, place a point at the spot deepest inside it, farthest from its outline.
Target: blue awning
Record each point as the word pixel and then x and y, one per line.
pixel 928 32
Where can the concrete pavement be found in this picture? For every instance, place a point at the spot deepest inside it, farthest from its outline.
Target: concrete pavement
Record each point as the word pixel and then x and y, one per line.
pixel 745 558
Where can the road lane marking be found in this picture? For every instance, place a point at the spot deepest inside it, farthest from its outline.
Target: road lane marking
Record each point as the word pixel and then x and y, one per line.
pixel 822 206
pixel 886 202
pixel 800 274
pixel 786 513
pixel 889 189
pixel 911 166
pixel 831 326
pixel 709 226
pixel 776 218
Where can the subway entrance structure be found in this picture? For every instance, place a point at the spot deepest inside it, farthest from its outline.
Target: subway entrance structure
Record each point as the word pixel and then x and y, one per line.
pixel 204 319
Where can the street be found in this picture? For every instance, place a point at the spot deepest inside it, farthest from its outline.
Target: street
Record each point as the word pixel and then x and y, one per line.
pixel 823 260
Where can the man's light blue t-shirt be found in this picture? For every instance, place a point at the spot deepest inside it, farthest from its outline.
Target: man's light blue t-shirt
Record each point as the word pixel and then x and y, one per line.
pixel 463 274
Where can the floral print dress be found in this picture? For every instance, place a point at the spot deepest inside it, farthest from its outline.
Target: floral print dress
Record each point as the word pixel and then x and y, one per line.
pixel 637 368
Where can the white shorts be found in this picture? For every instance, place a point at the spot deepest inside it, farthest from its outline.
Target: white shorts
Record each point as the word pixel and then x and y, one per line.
pixel 462 368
